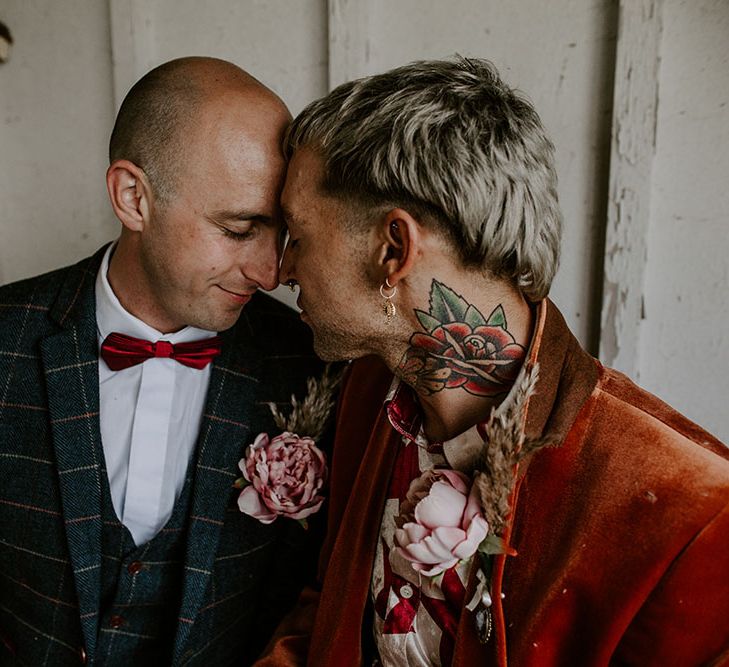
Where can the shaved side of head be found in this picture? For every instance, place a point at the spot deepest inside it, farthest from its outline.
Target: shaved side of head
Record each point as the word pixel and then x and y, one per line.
pixel 160 110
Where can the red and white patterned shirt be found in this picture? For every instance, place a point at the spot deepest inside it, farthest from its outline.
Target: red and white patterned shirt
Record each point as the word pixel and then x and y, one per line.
pixel 416 617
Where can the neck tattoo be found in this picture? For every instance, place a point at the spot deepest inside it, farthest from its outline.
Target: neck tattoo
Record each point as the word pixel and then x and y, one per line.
pixel 459 347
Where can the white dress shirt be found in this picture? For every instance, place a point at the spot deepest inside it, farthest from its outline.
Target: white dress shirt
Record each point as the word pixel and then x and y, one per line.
pixel 150 418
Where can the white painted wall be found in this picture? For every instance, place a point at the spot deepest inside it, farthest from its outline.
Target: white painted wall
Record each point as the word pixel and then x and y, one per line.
pixel 55 120
pixel 72 62
pixel 281 42
pixel 684 346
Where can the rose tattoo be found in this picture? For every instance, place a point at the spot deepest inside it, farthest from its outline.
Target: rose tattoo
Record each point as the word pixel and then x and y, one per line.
pixel 460 348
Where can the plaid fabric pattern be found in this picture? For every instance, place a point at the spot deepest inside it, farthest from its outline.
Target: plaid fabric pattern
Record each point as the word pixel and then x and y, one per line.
pixel 239 575
pixel 140 587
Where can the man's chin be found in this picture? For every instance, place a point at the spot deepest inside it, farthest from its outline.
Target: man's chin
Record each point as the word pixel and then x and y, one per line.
pixel 327 355
pixel 328 345
pixel 330 350
pixel 220 322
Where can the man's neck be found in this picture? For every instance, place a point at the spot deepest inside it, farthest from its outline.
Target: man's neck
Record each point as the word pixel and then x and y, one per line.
pixel 465 356
pixel 126 278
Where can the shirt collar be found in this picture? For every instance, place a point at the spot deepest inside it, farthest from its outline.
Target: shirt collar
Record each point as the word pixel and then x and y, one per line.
pixel 403 410
pixel 112 316
pixel 404 414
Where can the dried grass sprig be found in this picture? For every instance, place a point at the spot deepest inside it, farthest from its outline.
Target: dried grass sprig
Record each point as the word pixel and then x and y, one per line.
pixel 309 416
pixel 504 446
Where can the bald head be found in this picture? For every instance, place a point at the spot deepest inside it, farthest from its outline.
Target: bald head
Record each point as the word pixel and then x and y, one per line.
pixel 158 118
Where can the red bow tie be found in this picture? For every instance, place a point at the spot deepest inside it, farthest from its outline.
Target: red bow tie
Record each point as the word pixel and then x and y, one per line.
pixel 120 351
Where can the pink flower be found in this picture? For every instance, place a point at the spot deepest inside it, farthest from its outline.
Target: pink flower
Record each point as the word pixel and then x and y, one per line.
pixel 441 522
pixel 285 475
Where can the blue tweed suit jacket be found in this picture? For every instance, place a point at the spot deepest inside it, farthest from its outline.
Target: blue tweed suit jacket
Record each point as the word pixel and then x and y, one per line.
pixel 240 575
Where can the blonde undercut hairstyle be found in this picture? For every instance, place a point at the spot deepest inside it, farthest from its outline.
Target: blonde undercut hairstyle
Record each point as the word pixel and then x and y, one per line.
pixel 450 142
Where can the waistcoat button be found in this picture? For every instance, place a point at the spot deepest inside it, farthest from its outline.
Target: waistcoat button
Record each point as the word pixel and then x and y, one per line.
pixel 116 621
pixel 135 567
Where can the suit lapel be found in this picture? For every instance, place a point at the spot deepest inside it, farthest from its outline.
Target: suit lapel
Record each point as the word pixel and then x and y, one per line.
pixel 70 365
pixel 371 447
pixel 224 431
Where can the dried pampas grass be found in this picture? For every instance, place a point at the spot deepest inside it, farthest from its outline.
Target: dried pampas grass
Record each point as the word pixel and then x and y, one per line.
pixel 309 417
pixel 504 446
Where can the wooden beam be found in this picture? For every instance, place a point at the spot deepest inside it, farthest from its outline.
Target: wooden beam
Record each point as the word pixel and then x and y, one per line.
pixel 633 147
pixel 132 44
pixel 349 44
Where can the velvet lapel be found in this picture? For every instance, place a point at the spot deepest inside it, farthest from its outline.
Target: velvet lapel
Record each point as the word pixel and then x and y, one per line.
pixel 70 365
pixel 567 376
pixel 347 582
pixel 224 430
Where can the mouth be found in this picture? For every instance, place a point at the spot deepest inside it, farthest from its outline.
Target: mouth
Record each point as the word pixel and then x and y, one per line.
pixel 239 297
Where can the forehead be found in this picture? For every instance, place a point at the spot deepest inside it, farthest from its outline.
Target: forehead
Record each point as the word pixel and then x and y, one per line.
pixel 227 163
pixel 231 140
pixel 302 191
pixel 307 207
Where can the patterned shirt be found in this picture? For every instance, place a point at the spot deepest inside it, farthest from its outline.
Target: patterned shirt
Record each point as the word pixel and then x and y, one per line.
pixel 416 617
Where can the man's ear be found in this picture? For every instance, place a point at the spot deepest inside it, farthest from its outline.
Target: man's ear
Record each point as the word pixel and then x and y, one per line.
pixel 130 194
pixel 400 244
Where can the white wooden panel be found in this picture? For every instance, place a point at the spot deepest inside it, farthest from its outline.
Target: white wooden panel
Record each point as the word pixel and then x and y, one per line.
pixel 632 152
pixel 132 43
pixel 350 28
pixel 684 350
pixel 282 43
pixel 559 53
pixel 56 111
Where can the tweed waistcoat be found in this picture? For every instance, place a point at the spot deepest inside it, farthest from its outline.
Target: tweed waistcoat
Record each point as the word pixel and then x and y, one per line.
pixel 140 587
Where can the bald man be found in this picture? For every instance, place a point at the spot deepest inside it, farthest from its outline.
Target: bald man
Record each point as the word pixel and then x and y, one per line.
pixel 130 385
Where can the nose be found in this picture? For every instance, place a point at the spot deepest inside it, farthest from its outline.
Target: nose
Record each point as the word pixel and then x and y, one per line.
pixel 265 265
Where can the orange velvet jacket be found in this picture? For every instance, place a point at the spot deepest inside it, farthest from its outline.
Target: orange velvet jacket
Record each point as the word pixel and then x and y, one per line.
pixel 621 529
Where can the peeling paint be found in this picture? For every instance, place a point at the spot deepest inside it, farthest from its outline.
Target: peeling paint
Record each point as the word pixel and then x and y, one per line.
pixel 633 147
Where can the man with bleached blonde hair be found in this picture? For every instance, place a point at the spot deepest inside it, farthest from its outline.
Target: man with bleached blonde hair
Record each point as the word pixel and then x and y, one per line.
pixel 497 495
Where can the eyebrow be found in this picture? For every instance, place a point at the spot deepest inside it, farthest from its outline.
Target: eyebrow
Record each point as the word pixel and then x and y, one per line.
pixel 243 214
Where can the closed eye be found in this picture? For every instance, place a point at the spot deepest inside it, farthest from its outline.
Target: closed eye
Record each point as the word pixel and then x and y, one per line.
pixel 237 236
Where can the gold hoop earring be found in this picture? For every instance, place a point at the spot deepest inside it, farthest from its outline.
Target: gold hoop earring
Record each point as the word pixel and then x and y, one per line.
pixel 388 308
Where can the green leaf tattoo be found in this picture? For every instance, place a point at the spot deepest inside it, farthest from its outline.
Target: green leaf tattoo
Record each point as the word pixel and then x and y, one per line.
pixel 445 304
pixel 474 318
pixel 497 318
pixel 428 322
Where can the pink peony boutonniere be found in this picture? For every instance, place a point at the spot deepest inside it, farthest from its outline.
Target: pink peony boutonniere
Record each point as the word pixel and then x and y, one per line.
pixel 440 522
pixel 284 475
